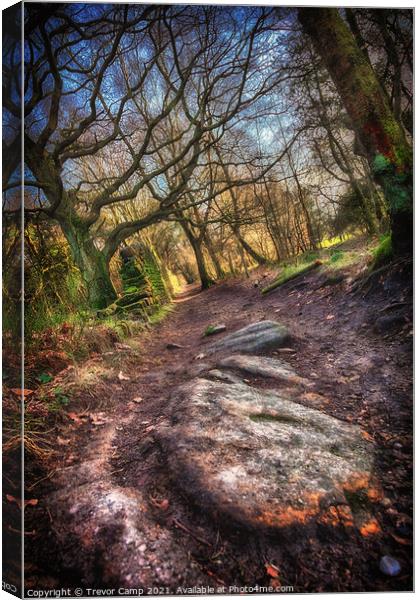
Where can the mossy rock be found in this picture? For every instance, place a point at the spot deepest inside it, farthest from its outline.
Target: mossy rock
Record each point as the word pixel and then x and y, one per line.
pixel 153 273
pixel 136 307
pixel 128 299
pixel 132 289
pixel 143 285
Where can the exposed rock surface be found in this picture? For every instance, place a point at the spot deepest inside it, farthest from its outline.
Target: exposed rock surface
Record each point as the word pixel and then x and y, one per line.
pixel 262 366
pixel 261 459
pixel 254 338
pixel 108 520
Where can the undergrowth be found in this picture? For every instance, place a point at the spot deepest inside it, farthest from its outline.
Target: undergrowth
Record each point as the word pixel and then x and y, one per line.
pixel 160 313
pixel 334 258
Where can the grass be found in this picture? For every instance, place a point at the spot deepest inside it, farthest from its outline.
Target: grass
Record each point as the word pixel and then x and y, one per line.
pixel 334 260
pixel 340 259
pixel 160 314
pixel 329 242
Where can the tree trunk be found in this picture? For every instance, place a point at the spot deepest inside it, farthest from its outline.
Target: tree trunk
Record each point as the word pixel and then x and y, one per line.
pixel 373 120
pixel 206 280
pixel 93 266
pixel 220 274
pixel 261 260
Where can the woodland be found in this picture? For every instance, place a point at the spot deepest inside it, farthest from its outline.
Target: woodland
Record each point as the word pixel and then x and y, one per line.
pixel 217 213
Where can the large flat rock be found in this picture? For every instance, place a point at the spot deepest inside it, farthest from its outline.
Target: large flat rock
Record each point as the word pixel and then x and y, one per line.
pixel 262 366
pixel 262 460
pixel 254 338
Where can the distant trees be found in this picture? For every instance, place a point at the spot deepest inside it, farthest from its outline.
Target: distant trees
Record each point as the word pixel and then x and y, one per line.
pixel 105 84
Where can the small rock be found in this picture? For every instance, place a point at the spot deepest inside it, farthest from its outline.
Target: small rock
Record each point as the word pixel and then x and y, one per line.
pixel 387 502
pixel 123 377
pixel 390 566
pixel 173 346
pixel 253 339
pixel 247 305
pixel 200 356
pixel 137 399
pixel 388 323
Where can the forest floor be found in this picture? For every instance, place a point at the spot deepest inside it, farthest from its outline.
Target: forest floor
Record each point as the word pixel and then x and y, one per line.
pixel 355 345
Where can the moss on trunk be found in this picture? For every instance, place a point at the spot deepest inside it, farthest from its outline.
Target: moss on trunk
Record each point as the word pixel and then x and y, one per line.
pixel 373 120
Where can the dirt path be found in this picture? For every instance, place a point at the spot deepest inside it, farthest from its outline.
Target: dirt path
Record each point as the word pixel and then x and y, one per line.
pixel 362 376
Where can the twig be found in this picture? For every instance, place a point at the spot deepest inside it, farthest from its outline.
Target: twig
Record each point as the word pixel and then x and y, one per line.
pixel 191 533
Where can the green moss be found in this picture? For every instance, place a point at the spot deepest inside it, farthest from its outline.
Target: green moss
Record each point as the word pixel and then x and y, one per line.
pixel 291 272
pixel 397 185
pixel 209 330
pixel 381 165
pixel 341 260
pixel 152 271
pixel 383 253
pixel 160 313
pixel 336 255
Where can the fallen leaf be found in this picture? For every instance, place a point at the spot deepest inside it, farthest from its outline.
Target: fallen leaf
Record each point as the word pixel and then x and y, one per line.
pixel 329 317
pixel 20 392
pixel 370 528
pixel 137 399
pixel 31 502
pixel 123 377
pixel 200 356
pixel 272 570
pixel 367 436
pixel 77 418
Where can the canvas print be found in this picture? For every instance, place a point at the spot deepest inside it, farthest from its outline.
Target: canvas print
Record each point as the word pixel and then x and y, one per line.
pixel 207 299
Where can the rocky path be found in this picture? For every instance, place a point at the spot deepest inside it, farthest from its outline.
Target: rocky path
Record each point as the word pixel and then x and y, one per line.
pixel 278 456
